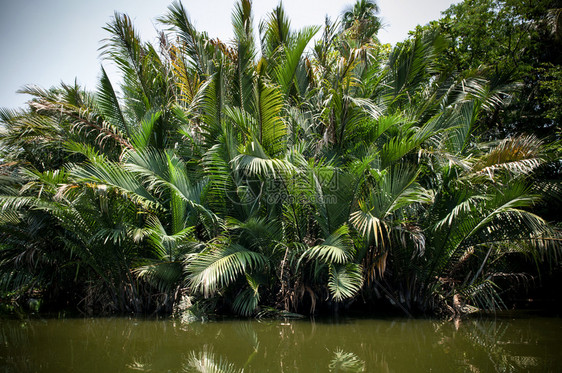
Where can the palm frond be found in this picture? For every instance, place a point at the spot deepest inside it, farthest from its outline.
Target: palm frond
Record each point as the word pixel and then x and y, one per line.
pixel 272 129
pixel 109 104
pixel 243 31
pixel 221 266
pixel 246 302
pixel 191 41
pixel 275 33
pixel 292 58
pixel 519 155
pixel 255 161
pixel 345 281
pixel 164 276
pixel 113 175
pixel 336 248
pixel 141 138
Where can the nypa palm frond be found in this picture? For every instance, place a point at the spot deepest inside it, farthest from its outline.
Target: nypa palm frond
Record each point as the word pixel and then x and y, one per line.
pixel 345 281
pixel 221 266
pixel 336 248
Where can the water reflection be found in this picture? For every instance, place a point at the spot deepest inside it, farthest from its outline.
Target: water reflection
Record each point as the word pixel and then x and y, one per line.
pixel 346 362
pixel 395 345
pixel 506 345
pixel 208 362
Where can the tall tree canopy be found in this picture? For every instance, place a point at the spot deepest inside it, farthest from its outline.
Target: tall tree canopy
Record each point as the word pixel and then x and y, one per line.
pixel 518 42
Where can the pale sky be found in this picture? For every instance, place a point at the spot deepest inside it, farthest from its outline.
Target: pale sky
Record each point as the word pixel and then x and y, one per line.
pixel 44 42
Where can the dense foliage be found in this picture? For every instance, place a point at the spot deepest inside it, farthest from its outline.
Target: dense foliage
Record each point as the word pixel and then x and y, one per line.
pixel 517 42
pixel 258 175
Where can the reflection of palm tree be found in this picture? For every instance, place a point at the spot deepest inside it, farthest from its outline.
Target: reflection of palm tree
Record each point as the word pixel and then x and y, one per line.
pixel 346 362
pixel 494 343
pixel 207 362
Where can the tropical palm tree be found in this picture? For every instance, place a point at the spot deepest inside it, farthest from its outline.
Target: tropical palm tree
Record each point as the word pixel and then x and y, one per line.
pixel 258 176
pixel 361 21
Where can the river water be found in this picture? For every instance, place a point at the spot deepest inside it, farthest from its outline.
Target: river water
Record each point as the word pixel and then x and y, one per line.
pixel 499 344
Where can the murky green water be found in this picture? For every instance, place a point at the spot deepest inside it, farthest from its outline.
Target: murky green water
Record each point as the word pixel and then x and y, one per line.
pixel 350 345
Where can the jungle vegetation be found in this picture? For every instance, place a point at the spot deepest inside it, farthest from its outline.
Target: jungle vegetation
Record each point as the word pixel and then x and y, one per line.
pixel 288 170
